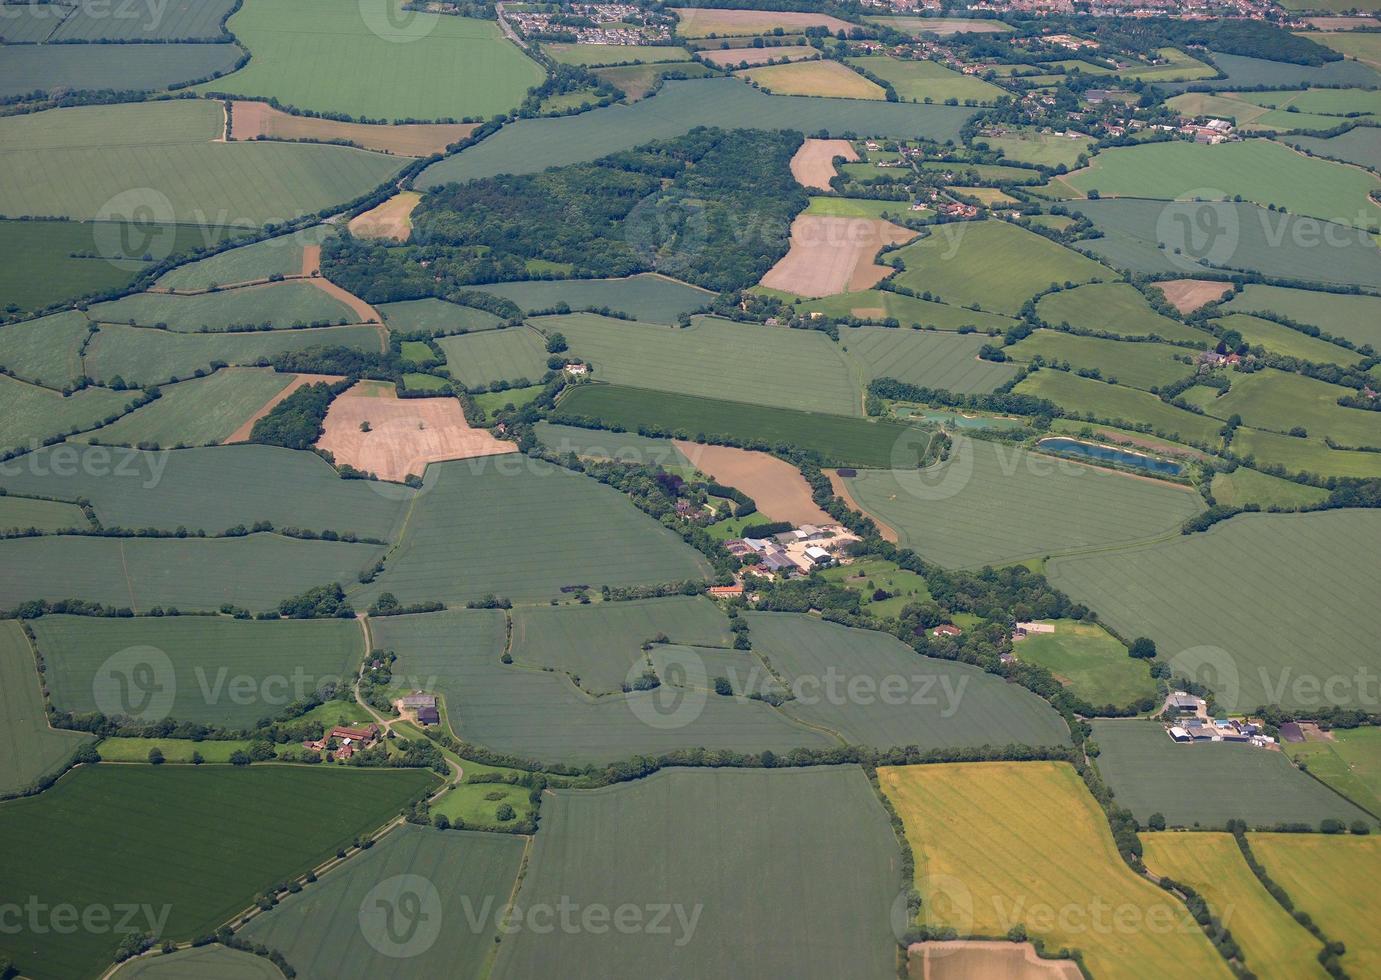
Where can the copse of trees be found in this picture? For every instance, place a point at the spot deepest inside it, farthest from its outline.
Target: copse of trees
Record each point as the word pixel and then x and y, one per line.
pixel 296 421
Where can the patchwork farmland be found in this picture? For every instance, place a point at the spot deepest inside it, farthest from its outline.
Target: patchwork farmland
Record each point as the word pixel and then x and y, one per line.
pixel 617 490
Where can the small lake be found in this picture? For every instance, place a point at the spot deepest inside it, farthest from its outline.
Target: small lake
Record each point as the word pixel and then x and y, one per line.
pixel 954 420
pixel 1110 454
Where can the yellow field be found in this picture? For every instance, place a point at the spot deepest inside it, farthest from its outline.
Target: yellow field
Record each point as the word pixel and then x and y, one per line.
pixel 824 78
pixel 999 844
pixel 1272 942
pixel 1334 880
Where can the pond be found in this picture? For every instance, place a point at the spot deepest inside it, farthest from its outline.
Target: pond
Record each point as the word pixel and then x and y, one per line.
pixel 954 420
pixel 1110 454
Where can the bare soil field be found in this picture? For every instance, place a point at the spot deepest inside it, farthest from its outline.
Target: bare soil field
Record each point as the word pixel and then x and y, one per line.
pixel 405 434
pixel 959 960
pixel 832 255
pixel 311 261
pixel 392 219
pixel 1187 295
pixel 841 490
pixel 813 164
pixel 776 486
pixel 759 56
pixel 826 79
pixel 242 433
pixel 363 311
pixel 259 119
pixel 704 21
pixel 1342 23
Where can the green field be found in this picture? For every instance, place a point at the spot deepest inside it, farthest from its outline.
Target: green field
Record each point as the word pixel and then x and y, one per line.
pixel 856 207
pixel 494 401
pixel 45 351
pixel 599 644
pixel 475 805
pixel 1258 170
pixel 255 572
pixel 432 314
pixel 839 440
pixel 212 670
pixel 1277 245
pixel 993 264
pixel 1355 318
pixel 33 749
pixel 1090 662
pixel 1272 942
pixel 280 305
pixel 537 715
pixel 917 26
pixel 175 750
pixel 1138 365
pixel 1206 784
pixel 33 415
pixel 185 22
pixel 919 80
pixel 867 575
pixel 145 356
pixel 23 513
pixel 522 529
pixel 1002 844
pixel 1359 46
pixel 1178 67
pixel 39 263
pixel 517 355
pixel 96 67
pixel 1279 339
pixel 213 962
pixel 1310 455
pixel 637 82
pixel 628 447
pixel 1361 146
pixel 1275 400
pixel 944 704
pixel 235 832
pixel 199 412
pixel 376 64
pixel 759 912
pixel 716 358
pixel 1210 588
pixel 927 358
pixel 1244 486
pixel 879 304
pixel 211 489
pixel 595 55
pixel 1119 405
pixel 655 298
pixel 1043 149
pixel 1349 761
pixel 1331 879
pixel 532 145
pixel 1113 307
pixel 187 177
pixel 991 504
pixel 333 927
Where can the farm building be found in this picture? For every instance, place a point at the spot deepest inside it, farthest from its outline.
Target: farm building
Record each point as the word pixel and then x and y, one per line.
pixel 725 591
pixel 946 629
pixel 415 701
pixel 1180 701
pixel 428 716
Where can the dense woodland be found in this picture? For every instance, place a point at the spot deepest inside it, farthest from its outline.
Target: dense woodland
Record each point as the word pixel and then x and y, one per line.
pixel 711 207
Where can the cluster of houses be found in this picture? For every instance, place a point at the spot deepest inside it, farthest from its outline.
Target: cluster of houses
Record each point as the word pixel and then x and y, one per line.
pixel 613 23
pixel 800 551
pixel 1211 132
pixel 1188 722
pixel 347 740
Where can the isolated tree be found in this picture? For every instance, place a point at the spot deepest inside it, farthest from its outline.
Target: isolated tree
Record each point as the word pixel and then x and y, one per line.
pixel 155 756
pixel 1143 648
